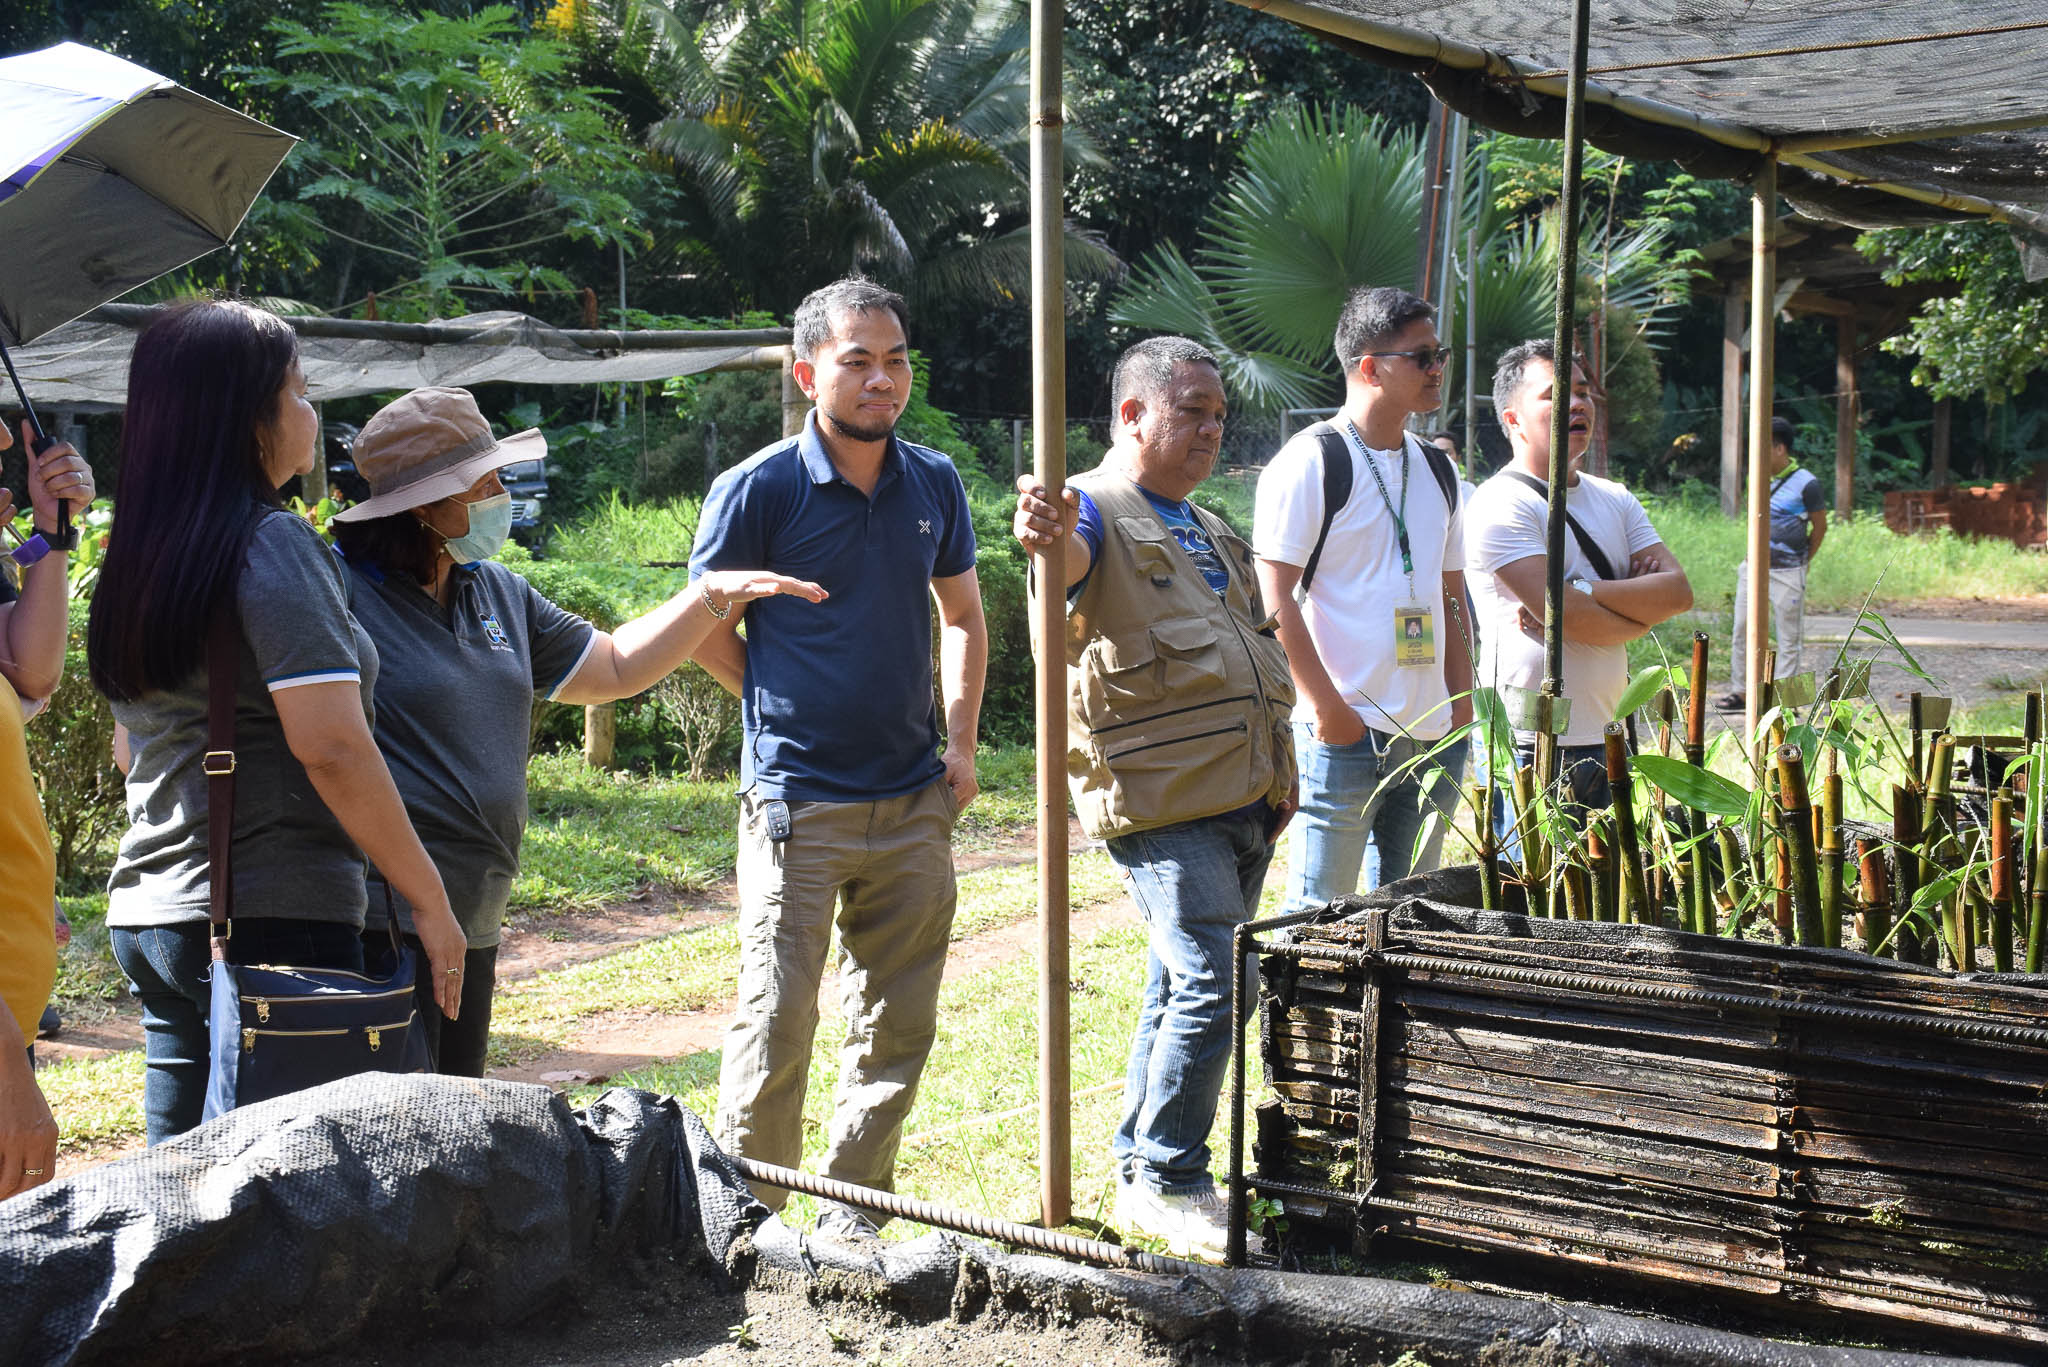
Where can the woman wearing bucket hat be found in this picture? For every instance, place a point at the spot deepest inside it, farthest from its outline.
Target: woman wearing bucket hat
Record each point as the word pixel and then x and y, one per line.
pixel 470 645
pixel 217 421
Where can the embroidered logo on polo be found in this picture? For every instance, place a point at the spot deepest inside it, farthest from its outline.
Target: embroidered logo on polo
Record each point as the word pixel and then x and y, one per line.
pixel 495 633
pixel 924 524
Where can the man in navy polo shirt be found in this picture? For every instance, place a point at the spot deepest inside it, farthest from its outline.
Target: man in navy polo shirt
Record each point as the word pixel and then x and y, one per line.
pixel 847 803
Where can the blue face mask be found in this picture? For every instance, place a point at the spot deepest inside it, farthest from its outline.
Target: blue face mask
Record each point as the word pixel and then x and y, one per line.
pixel 490 523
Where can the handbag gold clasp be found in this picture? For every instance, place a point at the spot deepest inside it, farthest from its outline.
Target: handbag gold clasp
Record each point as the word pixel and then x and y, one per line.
pixel 376 1039
pixel 248 1040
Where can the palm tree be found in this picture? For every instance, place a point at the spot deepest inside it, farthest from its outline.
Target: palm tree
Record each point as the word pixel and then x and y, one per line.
pixel 1326 201
pixel 815 137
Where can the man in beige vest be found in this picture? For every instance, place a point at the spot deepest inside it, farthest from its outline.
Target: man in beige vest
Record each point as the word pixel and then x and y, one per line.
pixel 1179 752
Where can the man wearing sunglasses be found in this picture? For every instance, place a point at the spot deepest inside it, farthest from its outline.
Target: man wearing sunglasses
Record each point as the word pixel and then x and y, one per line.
pixel 1361 557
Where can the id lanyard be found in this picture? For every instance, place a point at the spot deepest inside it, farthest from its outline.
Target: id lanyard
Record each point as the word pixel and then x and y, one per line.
pixel 1399 514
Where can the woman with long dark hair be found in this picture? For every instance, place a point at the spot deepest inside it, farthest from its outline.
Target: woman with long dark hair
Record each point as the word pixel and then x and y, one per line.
pixel 217 421
pixel 479 644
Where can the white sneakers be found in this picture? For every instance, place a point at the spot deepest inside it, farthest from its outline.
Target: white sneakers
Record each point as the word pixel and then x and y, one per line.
pixel 1193 1224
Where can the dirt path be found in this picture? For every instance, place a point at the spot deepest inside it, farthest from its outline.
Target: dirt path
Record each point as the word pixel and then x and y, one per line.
pixel 605 1045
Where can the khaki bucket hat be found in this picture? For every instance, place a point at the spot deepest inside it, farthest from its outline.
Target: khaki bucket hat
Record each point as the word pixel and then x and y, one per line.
pixel 429 444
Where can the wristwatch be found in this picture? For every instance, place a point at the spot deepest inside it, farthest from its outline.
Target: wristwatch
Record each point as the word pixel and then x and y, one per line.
pixel 41 544
pixel 1582 586
pixel 66 542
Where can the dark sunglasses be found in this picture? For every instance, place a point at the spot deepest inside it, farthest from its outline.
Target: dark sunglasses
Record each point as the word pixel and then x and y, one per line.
pixel 1426 358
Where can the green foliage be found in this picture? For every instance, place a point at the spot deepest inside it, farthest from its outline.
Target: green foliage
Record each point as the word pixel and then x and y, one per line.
pixel 1326 201
pixel 71 754
pixel 812 138
pixel 1858 555
pixel 1991 334
pixel 442 151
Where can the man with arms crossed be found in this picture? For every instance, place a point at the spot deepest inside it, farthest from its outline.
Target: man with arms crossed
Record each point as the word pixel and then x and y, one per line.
pixel 1378 641
pixel 845 801
pixel 1620 578
pixel 1177 747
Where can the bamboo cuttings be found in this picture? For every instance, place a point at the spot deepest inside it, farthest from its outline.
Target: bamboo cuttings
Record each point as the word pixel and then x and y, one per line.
pixel 1825 1131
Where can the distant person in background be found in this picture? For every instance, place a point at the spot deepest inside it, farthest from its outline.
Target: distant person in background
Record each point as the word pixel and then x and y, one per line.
pixel 1799 520
pixel 34 623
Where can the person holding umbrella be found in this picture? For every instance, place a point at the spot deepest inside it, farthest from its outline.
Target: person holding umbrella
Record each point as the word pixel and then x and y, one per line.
pixel 479 644
pixel 33 626
pixel 217 421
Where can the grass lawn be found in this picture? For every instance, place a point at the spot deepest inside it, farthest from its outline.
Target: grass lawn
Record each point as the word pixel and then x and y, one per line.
pixel 972 1137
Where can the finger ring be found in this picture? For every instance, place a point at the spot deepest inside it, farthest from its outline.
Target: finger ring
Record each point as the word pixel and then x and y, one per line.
pixel 31 1172
pixel 451 972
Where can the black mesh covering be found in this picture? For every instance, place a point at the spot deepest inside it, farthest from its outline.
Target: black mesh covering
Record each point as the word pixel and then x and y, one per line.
pixel 389 1208
pixel 1715 85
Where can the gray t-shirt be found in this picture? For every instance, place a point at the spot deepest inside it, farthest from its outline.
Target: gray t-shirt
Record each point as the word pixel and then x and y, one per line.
pixel 454 717
pixel 291 857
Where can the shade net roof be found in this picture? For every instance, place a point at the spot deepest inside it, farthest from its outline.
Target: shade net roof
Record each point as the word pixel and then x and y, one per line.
pixel 1880 111
pixel 84 365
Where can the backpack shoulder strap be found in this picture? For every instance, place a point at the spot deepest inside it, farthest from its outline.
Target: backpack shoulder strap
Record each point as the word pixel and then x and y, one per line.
pixel 1588 547
pixel 1440 466
pixel 1336 459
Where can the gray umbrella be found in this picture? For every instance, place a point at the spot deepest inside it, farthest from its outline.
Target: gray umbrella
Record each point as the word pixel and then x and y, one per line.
pixel 112 176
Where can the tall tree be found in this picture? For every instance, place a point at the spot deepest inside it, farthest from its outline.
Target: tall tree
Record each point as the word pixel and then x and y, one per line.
pixel 446 155
pixel 816 137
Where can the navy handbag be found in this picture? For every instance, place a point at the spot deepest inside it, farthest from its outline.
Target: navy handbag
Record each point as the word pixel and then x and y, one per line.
pixel 277 1029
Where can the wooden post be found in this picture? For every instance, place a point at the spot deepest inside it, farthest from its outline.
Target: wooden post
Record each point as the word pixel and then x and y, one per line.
pixel 1937 474
pixel 1845 416
pixel 1435 144
pixel 1049 617
pixel 794 405
pixel 600 734
pixel 1561 342
pixel 1731 411
pixel 1763 290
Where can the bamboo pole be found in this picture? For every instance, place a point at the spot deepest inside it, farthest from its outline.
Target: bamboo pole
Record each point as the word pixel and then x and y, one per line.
pixel 2003 880
pixel 1763 292
pixel 1696 755
pixel 1600 860
pixel 1831 857
pixel 1905 841
pixel 1049 418
pixel 1561 341
pixel 1796 826
pixel 1873 896
pixel 1634 899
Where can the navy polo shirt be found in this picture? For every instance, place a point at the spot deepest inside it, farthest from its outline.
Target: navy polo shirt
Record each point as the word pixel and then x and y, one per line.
pixel 837 701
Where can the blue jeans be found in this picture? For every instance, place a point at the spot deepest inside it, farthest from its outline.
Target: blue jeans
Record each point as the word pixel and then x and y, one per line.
pixel 1582 784
pixel 1194 883
pixel 1344 803
pixel 170 970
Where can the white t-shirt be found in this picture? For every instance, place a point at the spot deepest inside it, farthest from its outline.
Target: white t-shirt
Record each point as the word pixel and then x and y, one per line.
pixel 1507 520
pixel 1359 581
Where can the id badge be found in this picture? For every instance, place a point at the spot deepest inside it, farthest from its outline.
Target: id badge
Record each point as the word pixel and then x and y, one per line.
pixel 1414 636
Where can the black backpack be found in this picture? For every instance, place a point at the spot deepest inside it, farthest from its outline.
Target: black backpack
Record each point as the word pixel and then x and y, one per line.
pixel 1336 454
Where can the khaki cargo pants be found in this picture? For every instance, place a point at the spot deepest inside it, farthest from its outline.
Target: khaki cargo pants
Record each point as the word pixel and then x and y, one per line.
pixel 1788 618
pixel 886 869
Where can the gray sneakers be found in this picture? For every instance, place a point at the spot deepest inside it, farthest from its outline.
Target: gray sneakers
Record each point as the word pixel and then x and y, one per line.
pixel 1193 1224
